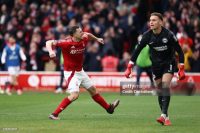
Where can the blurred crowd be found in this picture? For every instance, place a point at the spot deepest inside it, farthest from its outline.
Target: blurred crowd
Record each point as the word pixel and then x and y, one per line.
pixel 119 22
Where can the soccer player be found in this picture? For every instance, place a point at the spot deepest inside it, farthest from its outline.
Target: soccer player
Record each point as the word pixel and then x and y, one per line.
pixel 73 48
pixel 163 44
pixel 11 57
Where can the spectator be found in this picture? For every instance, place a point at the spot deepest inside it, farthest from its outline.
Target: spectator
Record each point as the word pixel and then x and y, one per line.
pixel 59 88
pixel 195 61
pixel 188 54
pixel 119 21
pixel 93 58
pixel 124 61
pixel 110 62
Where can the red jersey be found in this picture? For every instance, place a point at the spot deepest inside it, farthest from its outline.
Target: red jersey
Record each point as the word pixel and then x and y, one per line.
pixel 73 53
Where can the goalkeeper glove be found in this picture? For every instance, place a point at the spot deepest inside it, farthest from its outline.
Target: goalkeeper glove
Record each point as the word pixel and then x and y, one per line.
pixel 181 72
pixel 128 71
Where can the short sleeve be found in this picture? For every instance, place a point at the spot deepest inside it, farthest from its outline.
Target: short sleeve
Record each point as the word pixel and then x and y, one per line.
pixel 62 43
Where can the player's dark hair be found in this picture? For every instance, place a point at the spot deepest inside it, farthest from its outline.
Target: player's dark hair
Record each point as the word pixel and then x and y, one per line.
pixel 72 30
pixel 159 15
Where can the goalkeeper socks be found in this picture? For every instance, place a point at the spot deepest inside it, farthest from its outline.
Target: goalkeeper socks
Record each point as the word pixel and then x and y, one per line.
pixel 160 101
pixel 100 100
pixel 65 102
pixel 166 100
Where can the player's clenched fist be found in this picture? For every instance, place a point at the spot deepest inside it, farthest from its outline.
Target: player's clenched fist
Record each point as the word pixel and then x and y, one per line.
pixel 100 40
pixel 52 54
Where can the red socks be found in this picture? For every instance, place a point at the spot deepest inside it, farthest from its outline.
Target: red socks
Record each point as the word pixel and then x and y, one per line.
pixel 65 102
pixel 100 100
pixel 17 87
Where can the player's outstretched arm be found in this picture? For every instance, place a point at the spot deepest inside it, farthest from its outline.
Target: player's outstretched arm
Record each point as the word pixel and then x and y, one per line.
pixel 92 37
pixel 49 46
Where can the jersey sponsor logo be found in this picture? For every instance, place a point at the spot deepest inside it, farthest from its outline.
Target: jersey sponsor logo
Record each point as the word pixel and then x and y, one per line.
pixel 161 48
pixel 77 51
pixel 164 40
pixel 13 56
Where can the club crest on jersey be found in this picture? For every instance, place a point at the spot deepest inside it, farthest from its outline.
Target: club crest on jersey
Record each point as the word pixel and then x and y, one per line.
pixel 164 40
pixel 161 48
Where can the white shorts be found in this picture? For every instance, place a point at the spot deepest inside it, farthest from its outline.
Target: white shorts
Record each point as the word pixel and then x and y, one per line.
pixel 13 70
pixel 77 79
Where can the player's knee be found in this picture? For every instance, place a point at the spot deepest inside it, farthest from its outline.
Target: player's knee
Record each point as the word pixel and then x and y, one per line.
pixel 73 96
pixel 92 90
pixel 165 85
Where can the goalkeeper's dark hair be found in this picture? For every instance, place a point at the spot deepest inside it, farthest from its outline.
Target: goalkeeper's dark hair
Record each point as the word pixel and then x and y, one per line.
pixel 72 30
pixel 159 15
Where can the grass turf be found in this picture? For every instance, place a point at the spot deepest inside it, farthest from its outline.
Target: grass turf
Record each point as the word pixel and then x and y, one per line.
pixel 29 114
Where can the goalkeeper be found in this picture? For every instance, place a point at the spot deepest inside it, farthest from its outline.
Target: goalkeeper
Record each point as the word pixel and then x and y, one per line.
pixel 163 44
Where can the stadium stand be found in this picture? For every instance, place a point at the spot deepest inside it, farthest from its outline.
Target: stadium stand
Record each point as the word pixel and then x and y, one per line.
pixel 33 22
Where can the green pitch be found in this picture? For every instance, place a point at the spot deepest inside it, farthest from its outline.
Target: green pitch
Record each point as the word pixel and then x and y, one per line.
pixel 29 114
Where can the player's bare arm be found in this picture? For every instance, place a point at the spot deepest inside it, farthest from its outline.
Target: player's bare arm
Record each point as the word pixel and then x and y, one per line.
pixel 92 37
pixel 49 45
